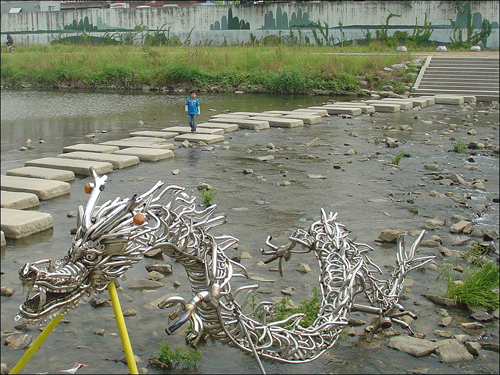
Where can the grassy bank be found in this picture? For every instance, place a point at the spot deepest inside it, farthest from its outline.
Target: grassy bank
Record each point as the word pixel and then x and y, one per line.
pixel 270 69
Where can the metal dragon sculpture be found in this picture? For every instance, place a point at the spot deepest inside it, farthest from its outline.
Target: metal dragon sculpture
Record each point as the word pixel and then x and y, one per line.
pixel 110 238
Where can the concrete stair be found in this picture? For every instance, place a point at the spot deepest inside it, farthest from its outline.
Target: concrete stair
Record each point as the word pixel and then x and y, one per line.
pixel 467 76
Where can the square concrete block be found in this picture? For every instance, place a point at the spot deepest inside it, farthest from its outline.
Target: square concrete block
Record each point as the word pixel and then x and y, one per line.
pixel 243 123
pixel 280 122
pixel 187 129
pixel 18 201
pixel 207 138
pixel 118 161
pixel 147 154
pixel 154 134
pixel 79 167
pixel 43 189
pixel 19 224
pixel 91 148
pixel 45 173
pixel 129 143
pixel 218 125
pixel 449 99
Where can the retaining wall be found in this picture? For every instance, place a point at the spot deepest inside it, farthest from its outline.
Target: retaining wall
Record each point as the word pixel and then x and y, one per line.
pixel 236 24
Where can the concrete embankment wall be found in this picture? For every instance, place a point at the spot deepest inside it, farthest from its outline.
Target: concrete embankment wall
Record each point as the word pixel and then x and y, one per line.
pixel 236 24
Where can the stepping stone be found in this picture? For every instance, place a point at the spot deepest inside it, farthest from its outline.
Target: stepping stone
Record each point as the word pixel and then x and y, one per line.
pixel 417 102
pixel 20 224
pixel 280 122
pixel 187 129
pixel 267 113
pixel 43 189
pixel 218 125
pixel 118 161
pixel 79 167
pixel 352 111
pixel 403 104
pixel 144 139
pixel 147 154
pixel 385 107
pixel 155 134
pixel 307 118
pixel 207 138
pixel 91 148
pixel 243 123
pixel 45 173
pixel 318 112
pixel 121 144
pixel 18 201
pixel 449 99
pixel 364 107
pixel 2 239
pixel 430 99
pixel 231 115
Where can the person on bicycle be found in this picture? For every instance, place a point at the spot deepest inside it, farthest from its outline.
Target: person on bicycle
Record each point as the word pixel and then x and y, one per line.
pixel 9 41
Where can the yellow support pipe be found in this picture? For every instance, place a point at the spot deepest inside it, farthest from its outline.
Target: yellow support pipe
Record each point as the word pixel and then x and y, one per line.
pixel 36 344
pixel 127 348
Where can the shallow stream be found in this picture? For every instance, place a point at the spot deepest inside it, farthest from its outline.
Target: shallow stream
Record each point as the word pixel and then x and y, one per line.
pixel 369 194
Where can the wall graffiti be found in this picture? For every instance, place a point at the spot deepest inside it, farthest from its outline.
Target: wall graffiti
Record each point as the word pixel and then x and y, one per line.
pixel 281 21
pixel 230 23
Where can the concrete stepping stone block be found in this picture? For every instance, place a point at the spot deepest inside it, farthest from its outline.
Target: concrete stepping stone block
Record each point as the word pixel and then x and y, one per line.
pixel 2 239
pixel 318 112
pixel 381 106
pixel 147 154
pixel 43 189
pixel 243 123
pixel 417 102
pixel 307 119
pixel 218 125
pixel 366 108
pixel 45 173
pixel 187 129
pixel 121 144
pixel 449 99
pixel 280 122
pixel 118 161
pixel 207 138
pixel 430 99
pixel 78 167
pixel 20 224
pixel 165 134
pixel 267 113
pixel 18 201
pixel 337 110
pixel 231 115
pixel 91 148
pixel 144 139
pixel 404 105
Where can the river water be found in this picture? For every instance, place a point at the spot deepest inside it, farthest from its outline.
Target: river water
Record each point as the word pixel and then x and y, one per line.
pixel 368 194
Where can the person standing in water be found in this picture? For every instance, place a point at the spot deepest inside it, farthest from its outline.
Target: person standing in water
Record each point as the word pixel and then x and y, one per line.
pixel 193 110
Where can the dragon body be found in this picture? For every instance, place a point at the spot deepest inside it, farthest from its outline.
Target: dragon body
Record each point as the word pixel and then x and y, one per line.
pixel 110 238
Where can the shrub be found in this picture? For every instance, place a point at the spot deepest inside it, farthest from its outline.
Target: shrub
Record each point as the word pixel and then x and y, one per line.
pixel 289 81
pixel 171 359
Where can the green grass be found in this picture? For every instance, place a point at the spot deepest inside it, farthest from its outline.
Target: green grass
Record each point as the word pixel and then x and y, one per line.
pixel 275 69
pixel 459 146
pixel 478 288
pixel 397 158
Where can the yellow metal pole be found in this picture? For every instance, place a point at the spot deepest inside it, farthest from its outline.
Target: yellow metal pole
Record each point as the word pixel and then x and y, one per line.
pixel 36 344
pixel 122 328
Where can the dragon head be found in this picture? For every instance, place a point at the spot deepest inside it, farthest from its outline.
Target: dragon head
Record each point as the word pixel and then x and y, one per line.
pixel 101 250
